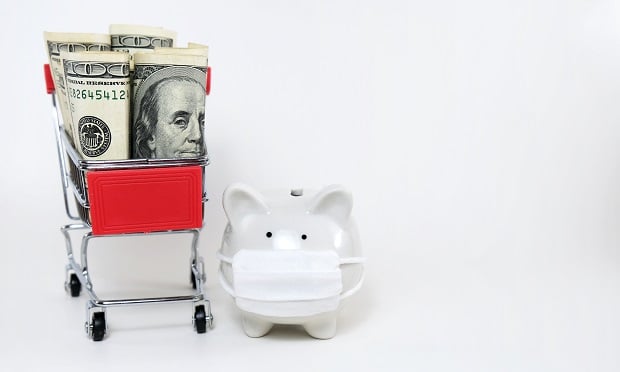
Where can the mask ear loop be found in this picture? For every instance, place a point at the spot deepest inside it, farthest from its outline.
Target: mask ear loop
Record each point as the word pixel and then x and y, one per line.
pixel 220 256
pixel 223 280
pixel 225 284
pixel 350 261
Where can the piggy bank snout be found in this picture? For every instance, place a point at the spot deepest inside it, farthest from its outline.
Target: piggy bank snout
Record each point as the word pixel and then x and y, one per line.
pixel 286 240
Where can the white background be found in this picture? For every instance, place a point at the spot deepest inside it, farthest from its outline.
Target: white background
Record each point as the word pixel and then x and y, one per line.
pixel 479 139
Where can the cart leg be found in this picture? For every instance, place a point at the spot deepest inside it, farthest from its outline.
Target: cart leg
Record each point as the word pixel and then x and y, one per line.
pixel 197 274
pixel 73 283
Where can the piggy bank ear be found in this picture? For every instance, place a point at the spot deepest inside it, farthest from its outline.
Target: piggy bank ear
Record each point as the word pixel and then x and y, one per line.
pixel 334 201
pixel 241 200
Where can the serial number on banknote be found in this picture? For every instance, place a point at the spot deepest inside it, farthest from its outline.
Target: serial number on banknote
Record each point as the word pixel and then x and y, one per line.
pixel 99 94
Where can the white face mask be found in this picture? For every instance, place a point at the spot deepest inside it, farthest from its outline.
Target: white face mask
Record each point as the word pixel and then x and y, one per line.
pixel 287 283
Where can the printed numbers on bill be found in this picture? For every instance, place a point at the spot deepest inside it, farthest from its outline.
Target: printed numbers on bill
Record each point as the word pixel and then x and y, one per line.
pixel 99 94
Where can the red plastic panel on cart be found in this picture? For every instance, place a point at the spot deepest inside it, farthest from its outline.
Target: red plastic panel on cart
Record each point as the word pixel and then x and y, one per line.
pixel 145 200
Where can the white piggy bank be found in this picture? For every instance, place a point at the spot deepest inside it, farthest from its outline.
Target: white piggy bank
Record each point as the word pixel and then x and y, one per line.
pixel 289 257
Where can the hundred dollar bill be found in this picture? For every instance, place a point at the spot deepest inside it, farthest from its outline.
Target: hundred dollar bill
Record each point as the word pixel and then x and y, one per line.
pixel 169 105
pixel 57 42
pixel 197 46
pixel 137 38
pixel 191 49
pixel 98 94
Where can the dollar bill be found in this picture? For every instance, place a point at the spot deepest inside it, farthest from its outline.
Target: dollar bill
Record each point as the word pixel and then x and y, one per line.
pixel 169 105
pixel 138 38
pixel 193 45
pixel 57 42
pixel 192 48
pixel 99 99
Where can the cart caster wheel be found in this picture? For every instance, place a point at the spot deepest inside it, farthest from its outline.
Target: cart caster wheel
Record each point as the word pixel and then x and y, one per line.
pixel 200 319
pixel 98 329
pixel 73 286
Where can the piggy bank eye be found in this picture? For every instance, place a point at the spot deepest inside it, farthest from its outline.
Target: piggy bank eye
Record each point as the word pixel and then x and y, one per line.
pixel 304 237
pixel 269 234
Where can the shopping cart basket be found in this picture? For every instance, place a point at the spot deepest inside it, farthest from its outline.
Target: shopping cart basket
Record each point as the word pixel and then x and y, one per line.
pixel 118 198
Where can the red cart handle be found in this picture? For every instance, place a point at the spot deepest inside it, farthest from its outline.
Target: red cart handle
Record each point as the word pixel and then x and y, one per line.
pixel 49 81
pixel 208 80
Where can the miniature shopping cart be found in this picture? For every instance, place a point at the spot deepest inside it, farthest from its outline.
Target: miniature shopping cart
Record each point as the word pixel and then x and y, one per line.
pixel 127 198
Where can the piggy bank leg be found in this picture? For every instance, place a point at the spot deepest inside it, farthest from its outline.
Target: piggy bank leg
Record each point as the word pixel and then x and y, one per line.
pixel 322 327
pixel 254 326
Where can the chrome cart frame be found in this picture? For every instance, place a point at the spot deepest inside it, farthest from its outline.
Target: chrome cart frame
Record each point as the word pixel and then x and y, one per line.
pixel 73 171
